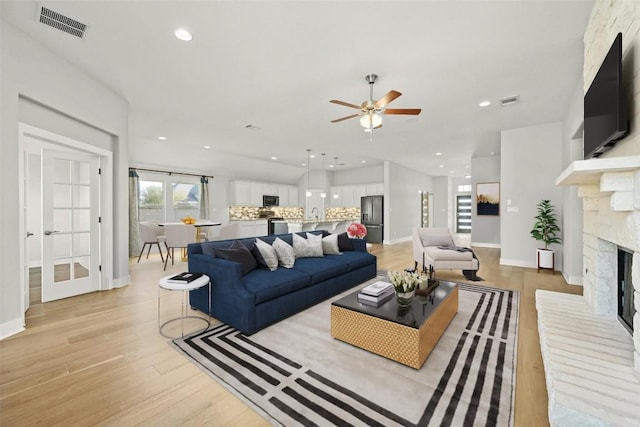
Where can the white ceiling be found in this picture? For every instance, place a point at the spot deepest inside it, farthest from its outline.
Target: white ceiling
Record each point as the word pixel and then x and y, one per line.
pixel 276 64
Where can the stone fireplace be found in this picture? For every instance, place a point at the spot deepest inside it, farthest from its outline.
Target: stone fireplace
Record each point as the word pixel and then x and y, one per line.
pixel 589 356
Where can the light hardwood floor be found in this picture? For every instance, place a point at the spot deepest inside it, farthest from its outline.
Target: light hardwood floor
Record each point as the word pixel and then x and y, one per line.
pixel 99 359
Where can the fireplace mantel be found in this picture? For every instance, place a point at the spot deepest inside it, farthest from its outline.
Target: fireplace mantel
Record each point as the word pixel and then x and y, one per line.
pixel 586 172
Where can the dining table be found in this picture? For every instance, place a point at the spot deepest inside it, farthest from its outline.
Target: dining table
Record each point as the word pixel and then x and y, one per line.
pixel 199 225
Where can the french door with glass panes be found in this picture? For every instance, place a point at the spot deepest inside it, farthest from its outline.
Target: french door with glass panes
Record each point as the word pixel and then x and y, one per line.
pixel 70 224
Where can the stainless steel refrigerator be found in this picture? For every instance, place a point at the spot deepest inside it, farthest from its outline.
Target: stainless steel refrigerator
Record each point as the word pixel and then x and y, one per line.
pixel 371 217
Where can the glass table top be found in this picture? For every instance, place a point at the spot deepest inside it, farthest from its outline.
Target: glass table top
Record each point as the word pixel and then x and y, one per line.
pixel 413 316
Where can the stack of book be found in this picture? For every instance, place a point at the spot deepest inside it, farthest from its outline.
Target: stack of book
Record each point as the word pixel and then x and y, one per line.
pixel 184 278
pixel 376 294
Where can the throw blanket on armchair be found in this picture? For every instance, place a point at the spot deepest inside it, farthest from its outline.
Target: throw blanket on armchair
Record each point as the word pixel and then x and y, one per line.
pixel 468 274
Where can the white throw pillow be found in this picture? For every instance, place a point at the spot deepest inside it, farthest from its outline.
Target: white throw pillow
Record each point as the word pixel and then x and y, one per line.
pixel 315 240
pixel 330 245
pixel 306 248
pixel 268 254
pixel 286 256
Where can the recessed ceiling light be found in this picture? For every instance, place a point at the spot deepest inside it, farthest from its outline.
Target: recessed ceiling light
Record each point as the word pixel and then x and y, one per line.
pixel 330 166
pixel 206 147
pixel 441 166
pixel 313 156
pixel 485 103
pixel 438 154
pixel 363 161
pixel 467 176
pixel 303 164
pixel 274 158
pixel 492 153
pixel 467 166
pixel 183 34
pixel 450 171
pixel 162 138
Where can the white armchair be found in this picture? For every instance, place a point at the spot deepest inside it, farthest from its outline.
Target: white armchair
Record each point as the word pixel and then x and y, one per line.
pixel 177 236
pixel 427 250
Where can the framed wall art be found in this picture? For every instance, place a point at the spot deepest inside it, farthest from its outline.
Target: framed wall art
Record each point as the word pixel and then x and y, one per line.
pixel 488 198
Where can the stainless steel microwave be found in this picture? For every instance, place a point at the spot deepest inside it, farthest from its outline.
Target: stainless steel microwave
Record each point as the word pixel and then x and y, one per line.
pixel 270 201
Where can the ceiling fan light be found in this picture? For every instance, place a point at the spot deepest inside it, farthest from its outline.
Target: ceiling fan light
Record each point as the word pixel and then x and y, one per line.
pixel 371 120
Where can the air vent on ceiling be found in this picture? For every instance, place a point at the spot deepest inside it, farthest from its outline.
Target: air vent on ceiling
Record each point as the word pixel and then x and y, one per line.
pixel 510 100
pixel 60 22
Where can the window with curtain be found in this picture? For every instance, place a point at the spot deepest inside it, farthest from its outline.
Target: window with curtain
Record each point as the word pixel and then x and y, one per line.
pixel 167 198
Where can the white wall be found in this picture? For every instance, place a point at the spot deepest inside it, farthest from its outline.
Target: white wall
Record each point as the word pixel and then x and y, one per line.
pixel 29 71
pixel 402 202
pixel 572 149
pixel 485 230
pixel 364 175
pixel 607 20
pixel 442 210
pixel 531 160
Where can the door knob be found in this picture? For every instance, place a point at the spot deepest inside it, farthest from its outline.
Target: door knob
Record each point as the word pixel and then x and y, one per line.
pixel 50 232
pixel 29 234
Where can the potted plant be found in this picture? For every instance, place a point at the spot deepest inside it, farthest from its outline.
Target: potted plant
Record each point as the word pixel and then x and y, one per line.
pixel 545 229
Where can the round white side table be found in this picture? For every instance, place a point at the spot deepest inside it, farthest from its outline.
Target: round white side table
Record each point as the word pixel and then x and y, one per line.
pixel 185 288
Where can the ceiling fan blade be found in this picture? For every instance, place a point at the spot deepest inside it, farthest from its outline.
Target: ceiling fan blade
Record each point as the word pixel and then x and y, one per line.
pixel 344 118
pixel 390 96
pixel 346 104
pixel 409 111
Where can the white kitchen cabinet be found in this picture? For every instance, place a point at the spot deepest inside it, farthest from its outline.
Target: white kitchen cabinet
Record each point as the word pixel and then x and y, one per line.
pixel 346 196
pixel 252 229
pixel 293 196
pixel 283 194
pixel 270 189
pixel 358 191
pixel 257 191
pixel 241 191
pixel 376 189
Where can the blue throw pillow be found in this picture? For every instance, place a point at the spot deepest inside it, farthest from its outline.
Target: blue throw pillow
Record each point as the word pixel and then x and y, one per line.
pixel 344 244
pixel 238 253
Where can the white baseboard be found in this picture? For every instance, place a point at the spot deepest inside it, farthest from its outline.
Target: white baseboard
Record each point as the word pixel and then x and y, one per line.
pixel 11 327
pixel 573 280
pixel 518 263
pixel 120 282
pixel 486 245
pixel 396 241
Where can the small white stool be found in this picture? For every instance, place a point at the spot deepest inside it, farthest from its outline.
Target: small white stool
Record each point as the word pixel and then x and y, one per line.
pixel 185 288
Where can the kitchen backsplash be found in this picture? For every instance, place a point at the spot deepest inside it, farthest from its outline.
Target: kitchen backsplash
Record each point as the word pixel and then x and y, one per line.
pixel 247 213
pixel 342 214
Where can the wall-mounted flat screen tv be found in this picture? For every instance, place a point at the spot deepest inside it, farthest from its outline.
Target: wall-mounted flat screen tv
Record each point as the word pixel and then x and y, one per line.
pixel 606 119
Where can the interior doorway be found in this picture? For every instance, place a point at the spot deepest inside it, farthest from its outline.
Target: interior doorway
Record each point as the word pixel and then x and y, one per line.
pixel 65 247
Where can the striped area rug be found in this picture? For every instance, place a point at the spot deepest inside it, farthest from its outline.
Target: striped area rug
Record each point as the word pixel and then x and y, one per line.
pixel 293 373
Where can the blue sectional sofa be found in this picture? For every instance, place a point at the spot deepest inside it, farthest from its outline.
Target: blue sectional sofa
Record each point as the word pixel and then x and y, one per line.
pixel 261 297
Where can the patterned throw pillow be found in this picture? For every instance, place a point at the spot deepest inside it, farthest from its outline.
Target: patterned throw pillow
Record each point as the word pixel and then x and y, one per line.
pixel 307 248
pixel 286 256
pixel 330 245
pixel 268 255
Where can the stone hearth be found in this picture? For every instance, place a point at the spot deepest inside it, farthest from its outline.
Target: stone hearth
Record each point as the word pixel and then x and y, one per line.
pixel 592 364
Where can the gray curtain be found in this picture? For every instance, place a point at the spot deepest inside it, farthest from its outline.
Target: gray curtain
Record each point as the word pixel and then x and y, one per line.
pixel 134 228
pixel 204 197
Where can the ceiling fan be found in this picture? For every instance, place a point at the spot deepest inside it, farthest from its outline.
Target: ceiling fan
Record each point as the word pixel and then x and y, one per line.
pixel 371 110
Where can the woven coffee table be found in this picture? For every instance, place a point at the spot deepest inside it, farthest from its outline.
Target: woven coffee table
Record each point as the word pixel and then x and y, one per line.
pixel 405 335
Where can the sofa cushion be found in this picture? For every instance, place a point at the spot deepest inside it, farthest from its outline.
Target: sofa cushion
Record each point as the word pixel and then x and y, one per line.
pixel 265 255
pixel 438 236
pixel 344 243
pixel 286 257
pixel 321 269
pixel 438 254
pixel 330 245
pixel 238 253
pixel 305 248
pixel 267 285
pixel 353 259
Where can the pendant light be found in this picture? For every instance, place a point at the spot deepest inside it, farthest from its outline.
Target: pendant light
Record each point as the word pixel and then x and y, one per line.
pixel 308 193
pixel 324 188
pixel 335 168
